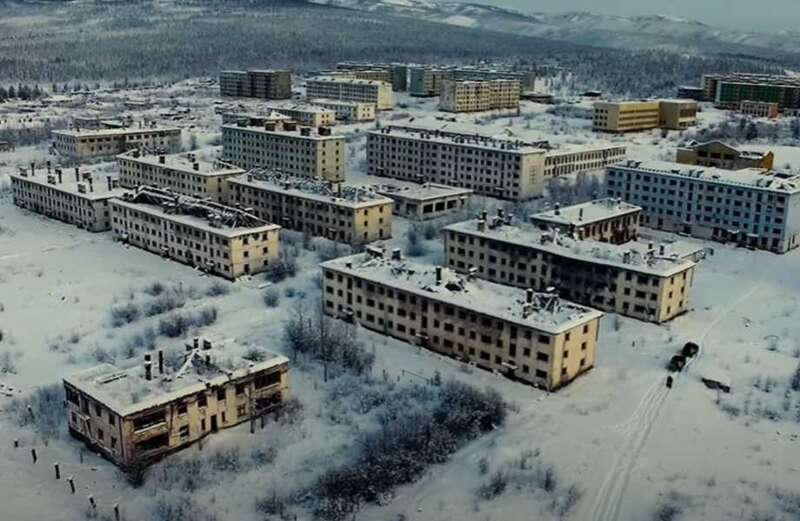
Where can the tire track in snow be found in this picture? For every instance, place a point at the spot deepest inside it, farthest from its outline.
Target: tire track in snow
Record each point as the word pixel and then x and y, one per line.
pixel 637 428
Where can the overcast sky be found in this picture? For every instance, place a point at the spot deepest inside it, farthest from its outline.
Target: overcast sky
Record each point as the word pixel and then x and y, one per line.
pixel 757 15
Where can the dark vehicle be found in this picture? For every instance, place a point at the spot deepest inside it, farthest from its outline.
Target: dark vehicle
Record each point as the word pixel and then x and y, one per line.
pixel 669 382
pixel 690 349
pixel 677 363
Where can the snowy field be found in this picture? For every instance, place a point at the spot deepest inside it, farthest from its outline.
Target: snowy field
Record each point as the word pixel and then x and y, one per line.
pixel 618 443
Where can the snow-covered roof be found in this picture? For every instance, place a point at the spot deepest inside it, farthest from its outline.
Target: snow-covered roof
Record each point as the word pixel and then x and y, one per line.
pixel 754 178
pixel 421 192
pixel 344 79
pixel 749 154
pixel 587 213
pixel 311 132
pixel 184 163
pixel 338 102
pixel 100 132
pixel 128 391
pixel 299 107
pixel 662 260
pixel 544 312
pixel 351 196
pixel 474 140
pixel 98 189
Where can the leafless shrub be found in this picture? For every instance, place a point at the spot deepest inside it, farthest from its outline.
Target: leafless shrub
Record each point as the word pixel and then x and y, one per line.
pixel 124 314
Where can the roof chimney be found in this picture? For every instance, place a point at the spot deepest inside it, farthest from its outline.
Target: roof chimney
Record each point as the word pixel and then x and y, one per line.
pixel 77 174
pixel 33 168
pixel 196 166
pixel 58 173
pixel 558 209
pixel 148 367
pixel 580 214
pixel 438 275
pixel 662 248
pixel 529 296
pixel 481 225
pixel 162 159
pixel 160 361
pixel 108 178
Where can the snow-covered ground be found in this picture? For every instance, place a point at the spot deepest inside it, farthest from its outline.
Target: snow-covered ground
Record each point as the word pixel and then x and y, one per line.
pixel 618 434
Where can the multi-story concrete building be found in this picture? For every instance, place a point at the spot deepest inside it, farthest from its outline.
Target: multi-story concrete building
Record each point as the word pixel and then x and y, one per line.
pixel 187 174
pixel 721 155
pixel 215 238
pixel 350 89
pixel 476 96
pixel 82 199
pixel 364 74
pixel 638 280
pixel 508 169
pixel 602 220
pixel 535 338
pixel 307 114
pixel 631 116
pixel 425 201
pixel 760 109
pixel 427 81
pixel 346 214
pixel 138 415
pixel 254 119
pixel 105 142
pixel 398 72
pixel 350 111
pixel 575 159
pixel 300 151
pixel 752 207
pixel 691 92
pixel 256 83
pixel 729 90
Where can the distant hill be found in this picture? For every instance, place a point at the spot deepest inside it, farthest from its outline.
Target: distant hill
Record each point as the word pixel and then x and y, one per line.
pixel 639 32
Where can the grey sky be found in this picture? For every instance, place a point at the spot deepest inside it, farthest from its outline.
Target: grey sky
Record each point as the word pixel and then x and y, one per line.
pixel 757 15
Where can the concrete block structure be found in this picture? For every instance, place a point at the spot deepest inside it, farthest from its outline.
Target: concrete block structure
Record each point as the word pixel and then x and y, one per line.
pixel 421 202
pixel 760 109
pixel 347 214
pixel 138 415
pixel 307 114
pixel 644 281
pixel 349 111
pixel 107 142
pixel 602 220
pixel 535 338
pixel 296 150
pixel 508 169
pixel 477 96
pixel 80 198
pixel 217 239
pixel 575 159
pixel 398 72
pixel 350 89
pixel 427 81
pixel 256 83
pixel 187 174
pixel 383 75
pixel 633 116
pixel 691 92
pixel 728 91
pixel 721 155
pixel 248 119
pixel 751 207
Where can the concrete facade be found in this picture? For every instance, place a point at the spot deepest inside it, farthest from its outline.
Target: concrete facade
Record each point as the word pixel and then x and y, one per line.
pixel 350 111
pixel 307 114
pixel 88 144
pixel 138 415
pixel 421 202
pixel 350 89
pixel 729 90
pixel 721 155
pixel 760 109
pixel 300 151
pixel 346 214
pixel 185 174
pixel 477 96
pixel 535 338
pixel 751 207
pixel 575 159
pixel 256 83
pixel 602 220
pixel 398 71
pixel 217 239
pixel 633 116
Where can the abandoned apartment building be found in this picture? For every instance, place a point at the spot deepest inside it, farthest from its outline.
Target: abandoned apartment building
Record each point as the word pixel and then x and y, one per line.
pixel 105 142
pixel 420 202
pixel 285 146
pixel 187 174
pixel 75 197
pixel 137 415
pixel 349 214
pixel 603 220
pixel 645 281
pixel 532 337
pixel 217 239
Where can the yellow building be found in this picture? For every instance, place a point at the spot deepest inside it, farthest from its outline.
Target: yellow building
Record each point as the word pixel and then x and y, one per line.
pixel 297 150
pixel 477 96
pixel 346 214
pixel 349 111
pixel 350 89
pixel 603 220
pixel 187 174
pixel 535 338
pixel 306 114
pixel 721 155
pixel 104 142
pixel 216 239
pixel 644 281
pixel 421 202
pixel 632 116
pixel 137 415
pixel 575 159
pixel 81 199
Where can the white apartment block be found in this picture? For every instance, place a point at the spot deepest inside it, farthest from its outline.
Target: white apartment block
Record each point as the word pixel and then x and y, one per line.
pixel 350 89
pixel 575 159
pixel 477 96
pixel 300 151
pixel 753 207
pixel 81 200
pixel 350 111
pixel 186 174
pixel 306 114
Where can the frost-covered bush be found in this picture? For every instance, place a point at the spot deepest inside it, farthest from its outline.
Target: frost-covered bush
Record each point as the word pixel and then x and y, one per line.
pixel 283 268
pixel 124 314
pixel 271 298
pixel 218 289
pixel 177 324
pixel 42 411
pixel 163 303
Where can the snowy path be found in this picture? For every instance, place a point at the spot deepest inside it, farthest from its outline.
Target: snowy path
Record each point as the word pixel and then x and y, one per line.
pixel 637 428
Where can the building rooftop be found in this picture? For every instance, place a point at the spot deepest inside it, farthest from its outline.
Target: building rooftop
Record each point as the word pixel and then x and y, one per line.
pixel 349 103
pixel 749 154
pixel 545 312
pixel 665 259
pixel 189 163
pixel 81 132
pixel 300 132
pixel 208 216
pixel 420 192
pixel 344 79
pixel 128 391
pixel 100 187
pixel 587 213
pixel 461 138
pixel 310 188
pixel 773 181
pixel 305 107
pixel 571 148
